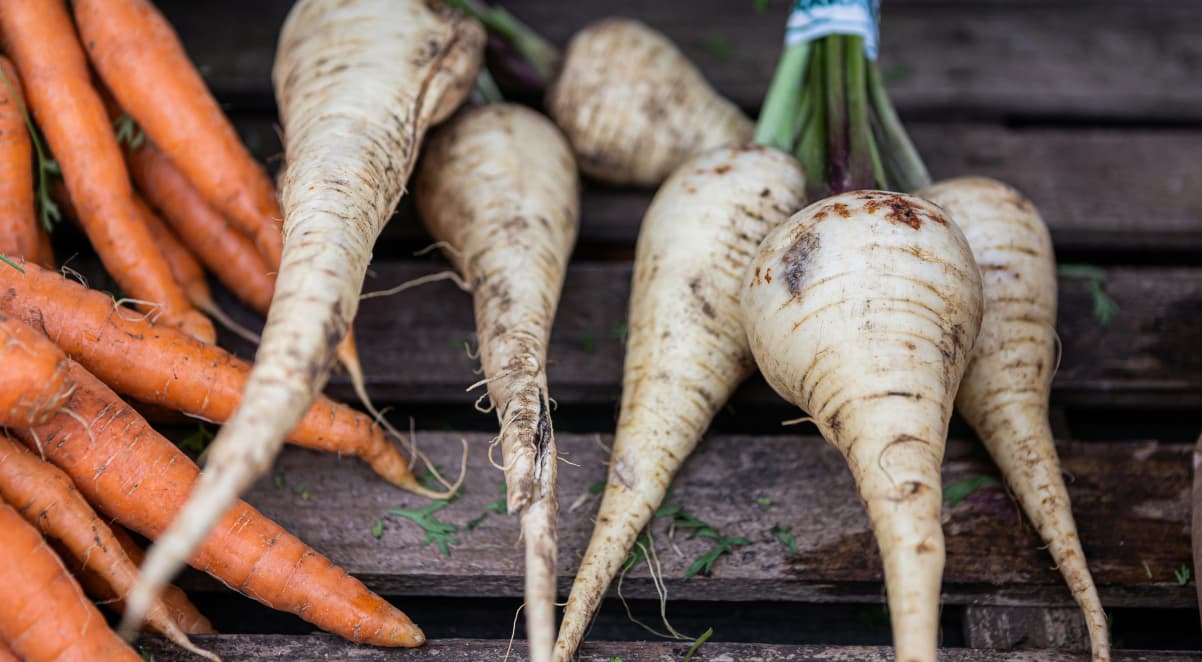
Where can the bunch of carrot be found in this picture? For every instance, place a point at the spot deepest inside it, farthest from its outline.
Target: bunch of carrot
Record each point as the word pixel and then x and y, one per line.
pixel 81 101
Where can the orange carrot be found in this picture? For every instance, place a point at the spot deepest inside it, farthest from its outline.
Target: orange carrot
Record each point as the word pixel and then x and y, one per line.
pixel 187 271
pixel 44 614
pixel 160 365
pixel 45 496
pixel 34 385
pixel 181 609
pixel 44 256
pixel 184 267
pixel 142 61
pixel 141 479
pixel 39 37
pixel 6 653
pixel 227 253
pixel 18 218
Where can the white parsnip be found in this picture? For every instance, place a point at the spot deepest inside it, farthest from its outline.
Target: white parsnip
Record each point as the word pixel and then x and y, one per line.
pixel 634 107
pixel 862 310
pixel 1004 395
pixel 498 186
pixel 686 350
pixel 358 83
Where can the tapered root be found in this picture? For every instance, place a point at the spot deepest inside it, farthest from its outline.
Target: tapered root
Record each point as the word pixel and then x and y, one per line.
pixel 539 528
pixel 905 521
pixel 623 514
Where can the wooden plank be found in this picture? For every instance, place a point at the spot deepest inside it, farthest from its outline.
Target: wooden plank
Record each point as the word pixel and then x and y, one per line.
pixel 1123 190
pixel 985 57
pixel 1131 503
pixel 321 648
pixel 1145 356
pixel 1009 628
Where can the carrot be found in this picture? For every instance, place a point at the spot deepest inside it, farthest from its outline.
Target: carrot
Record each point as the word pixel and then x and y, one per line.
pixel 45 496
pixel 44 255
pixel 1004 395
pixel 140 479
pixel 142 61
pixel 862 310
pixel 357 82
pixel 18 218
pixel 6 653
pixel 224 250
pixel 35 382
pixel 182 611
pixel 686 351
pixel 184 267
pixel 160 365
pixel 179 608
pixel 510 237
pixel 44 614
pixel 39 37
pixel 187 270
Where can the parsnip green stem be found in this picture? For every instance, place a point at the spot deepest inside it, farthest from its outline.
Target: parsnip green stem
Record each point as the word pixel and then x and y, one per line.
pixel 838 177
pixel 843 127
pixel 536 51
pixel 783 112
pixel 860 171
pixel 907 170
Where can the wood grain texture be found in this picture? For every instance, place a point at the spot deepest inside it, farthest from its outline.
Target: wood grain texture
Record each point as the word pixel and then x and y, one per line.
pixel 415 340
pixel 1130 501
pixel 1008 628
pixel 1089 59
pixel 315 648
pixel 1110 189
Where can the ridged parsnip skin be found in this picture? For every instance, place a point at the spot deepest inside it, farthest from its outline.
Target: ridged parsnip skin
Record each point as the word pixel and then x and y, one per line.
pixel 498 184
pixel 686 351
pixel 358 83
pixel 1005 391
pixel 862 310
pixel 634 107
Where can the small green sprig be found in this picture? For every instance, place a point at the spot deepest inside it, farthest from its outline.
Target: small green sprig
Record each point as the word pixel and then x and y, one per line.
pixel 128 132
pixel 198 440
pixel 1104 307
pixel 1182 574
pixel 956 492
pixel 437 531
pixel 784 535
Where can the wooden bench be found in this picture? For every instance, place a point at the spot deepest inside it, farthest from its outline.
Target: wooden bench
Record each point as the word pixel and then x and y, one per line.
pixel 1091 107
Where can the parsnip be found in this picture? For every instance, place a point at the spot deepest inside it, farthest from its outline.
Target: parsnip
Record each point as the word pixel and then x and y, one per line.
pixel 1004 395
pixel 358 82
pixel 862 310
pixel 686 349
pixel 498 185
pixel 634 107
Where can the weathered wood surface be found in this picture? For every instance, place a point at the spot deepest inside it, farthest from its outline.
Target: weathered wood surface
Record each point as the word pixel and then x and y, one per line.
pixel 1106 189
pixel 322 648
pixel 1146 355
pixel 1130 501
pixel 1008 628
pixel 1089 59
